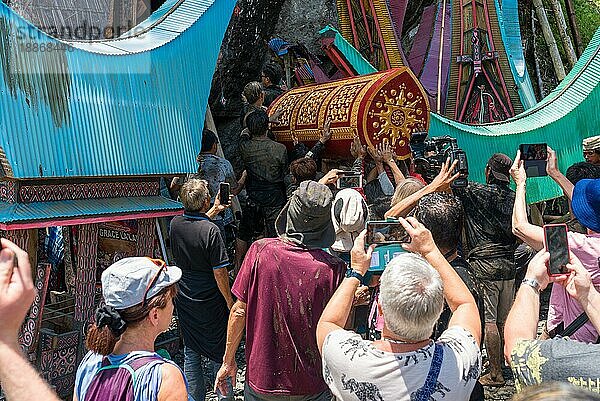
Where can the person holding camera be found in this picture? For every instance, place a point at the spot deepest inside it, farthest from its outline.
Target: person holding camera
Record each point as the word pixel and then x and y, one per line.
pixel 558 359
pixel 204 297
pixel 405 364
pixel 490 246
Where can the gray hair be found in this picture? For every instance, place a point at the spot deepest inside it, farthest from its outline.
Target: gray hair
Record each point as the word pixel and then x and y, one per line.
pixel 194 194
pixel 412 297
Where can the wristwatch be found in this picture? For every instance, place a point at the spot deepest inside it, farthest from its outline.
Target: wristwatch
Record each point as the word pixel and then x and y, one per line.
pixel 533 283
pixel 353 273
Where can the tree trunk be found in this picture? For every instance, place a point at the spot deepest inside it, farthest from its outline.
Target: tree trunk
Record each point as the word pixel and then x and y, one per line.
pixel 574 28
pixel 559 68
pixel 538 73
pixel 562 30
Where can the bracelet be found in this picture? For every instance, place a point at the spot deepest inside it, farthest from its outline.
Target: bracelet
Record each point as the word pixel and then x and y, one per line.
pixel 533 283
pixel 354 274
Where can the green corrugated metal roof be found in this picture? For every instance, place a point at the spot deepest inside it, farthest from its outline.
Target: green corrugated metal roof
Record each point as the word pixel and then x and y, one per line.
pixel 562 119
pixel 360 64
pixel 81 209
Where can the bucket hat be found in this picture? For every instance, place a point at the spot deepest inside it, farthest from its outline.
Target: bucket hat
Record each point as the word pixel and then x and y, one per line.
pixel 586 203
pixel 306 218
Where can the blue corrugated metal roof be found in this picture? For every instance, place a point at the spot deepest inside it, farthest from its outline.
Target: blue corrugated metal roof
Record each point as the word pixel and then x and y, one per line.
pixel 132 106
pixel 508 21
pixel 13 213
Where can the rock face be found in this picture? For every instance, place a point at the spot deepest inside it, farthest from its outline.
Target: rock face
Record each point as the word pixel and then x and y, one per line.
pixel 301 20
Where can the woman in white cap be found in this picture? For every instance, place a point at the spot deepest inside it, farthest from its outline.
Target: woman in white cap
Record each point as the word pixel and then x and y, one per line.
pixel 122 365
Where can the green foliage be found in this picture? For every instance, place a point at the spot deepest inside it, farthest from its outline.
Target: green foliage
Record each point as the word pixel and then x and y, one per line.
pixel 587 13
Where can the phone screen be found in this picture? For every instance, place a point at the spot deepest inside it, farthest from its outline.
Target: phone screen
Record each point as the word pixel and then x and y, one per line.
pixel 385 232
pixel 534 159
pixel 534 151
pixel 352 180
pixel 558 246
pixel 224 193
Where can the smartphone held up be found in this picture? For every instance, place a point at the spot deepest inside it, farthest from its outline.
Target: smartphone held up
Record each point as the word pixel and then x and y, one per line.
pixel 534 156
pixel 224 193
pixel 557 244
pixel 386 232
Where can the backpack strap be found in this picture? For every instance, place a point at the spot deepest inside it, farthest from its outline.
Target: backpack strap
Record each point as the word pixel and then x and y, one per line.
pixel 425 392
pixel 131 366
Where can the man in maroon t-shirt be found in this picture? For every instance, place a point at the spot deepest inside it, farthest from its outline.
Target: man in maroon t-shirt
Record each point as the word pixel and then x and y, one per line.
pixel 282 289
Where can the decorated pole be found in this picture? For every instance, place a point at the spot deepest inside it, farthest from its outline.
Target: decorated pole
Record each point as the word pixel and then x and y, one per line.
pixel 381 107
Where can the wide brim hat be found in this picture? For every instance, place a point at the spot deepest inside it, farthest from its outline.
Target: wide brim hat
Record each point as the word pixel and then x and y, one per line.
pixel 127 282
pixel 586 203
pixel 306 217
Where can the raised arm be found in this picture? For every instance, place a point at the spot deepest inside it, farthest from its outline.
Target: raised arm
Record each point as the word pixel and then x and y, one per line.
pixel 557 176
pixel 19 379
pixel 338 308
pixel 389 159
pixel 522 320
pixel 529 233
pixel 440 183
pixel 464 309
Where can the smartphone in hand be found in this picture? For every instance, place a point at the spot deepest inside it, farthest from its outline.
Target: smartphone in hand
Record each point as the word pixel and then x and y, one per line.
pixel 557 244
pixel 349 179
pixel 386 232
pixel 224 193
pixel 534 156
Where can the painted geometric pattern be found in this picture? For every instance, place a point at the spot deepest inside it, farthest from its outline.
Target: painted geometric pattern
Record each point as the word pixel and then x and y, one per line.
pixel 146 237
pixel 30 328
pixel 58 359
pixel 8 191
pixel 94 190
pixel 85 281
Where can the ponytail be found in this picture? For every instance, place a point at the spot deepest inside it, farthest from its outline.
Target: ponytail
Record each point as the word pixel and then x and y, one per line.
pixel 111 323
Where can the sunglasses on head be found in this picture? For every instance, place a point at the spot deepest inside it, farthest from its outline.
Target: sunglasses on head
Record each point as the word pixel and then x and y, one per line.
pixel 161 266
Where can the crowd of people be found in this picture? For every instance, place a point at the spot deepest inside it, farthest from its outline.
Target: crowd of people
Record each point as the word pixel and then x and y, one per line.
pixel 289 273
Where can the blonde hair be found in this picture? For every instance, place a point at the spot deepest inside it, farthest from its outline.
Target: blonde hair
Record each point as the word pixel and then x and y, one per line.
pixel 252 92
pixel 406 188
pixel 194 194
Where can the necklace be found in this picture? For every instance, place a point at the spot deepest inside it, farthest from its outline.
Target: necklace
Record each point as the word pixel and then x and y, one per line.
pixel 400 341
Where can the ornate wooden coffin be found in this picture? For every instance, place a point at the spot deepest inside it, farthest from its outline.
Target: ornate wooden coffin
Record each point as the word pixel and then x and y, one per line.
pixel 384 106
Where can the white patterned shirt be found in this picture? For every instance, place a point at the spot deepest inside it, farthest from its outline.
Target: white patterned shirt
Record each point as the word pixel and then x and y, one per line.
pixel 355 370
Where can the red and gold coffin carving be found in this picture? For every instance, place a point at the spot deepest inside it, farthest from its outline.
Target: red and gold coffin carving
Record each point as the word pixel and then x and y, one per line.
pixel 379 107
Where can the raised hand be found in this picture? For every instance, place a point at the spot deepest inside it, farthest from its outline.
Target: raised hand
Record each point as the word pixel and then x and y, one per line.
pixel 517 171
pixel 441 183
pixel 16 290
pixel 421 238
pixel 357 150
pixel 326 134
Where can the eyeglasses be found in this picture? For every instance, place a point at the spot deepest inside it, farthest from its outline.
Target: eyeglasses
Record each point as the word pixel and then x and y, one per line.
pixel 161 266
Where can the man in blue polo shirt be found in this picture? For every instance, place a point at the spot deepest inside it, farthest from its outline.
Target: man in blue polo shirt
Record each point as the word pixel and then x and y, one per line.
pixel 204 297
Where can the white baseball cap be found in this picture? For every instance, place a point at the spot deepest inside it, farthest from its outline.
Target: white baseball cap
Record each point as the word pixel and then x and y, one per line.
pixel 131 281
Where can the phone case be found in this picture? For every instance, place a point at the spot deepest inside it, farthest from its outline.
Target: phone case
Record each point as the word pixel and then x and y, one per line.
pixel 546 246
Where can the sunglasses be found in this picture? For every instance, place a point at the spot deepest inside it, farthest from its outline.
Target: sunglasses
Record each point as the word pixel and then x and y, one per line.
pixel 161 266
